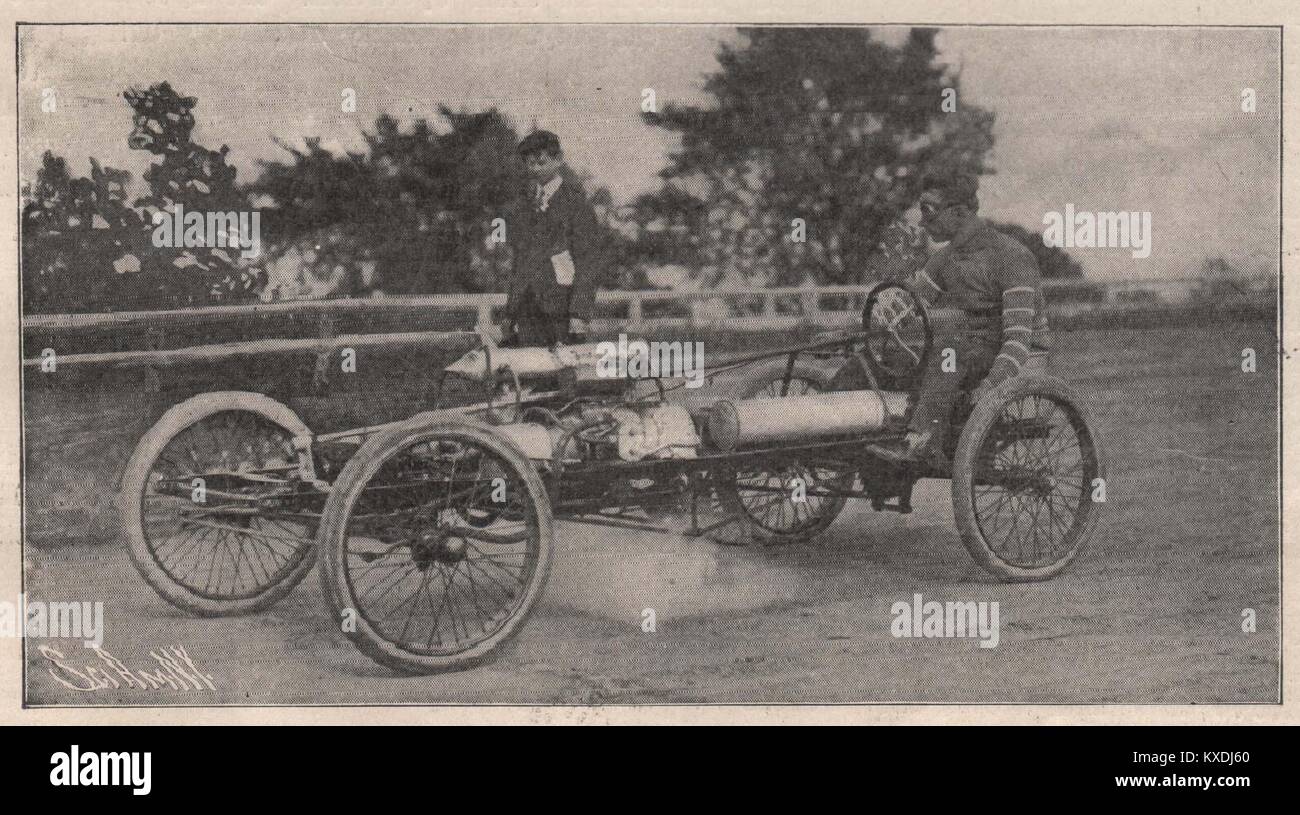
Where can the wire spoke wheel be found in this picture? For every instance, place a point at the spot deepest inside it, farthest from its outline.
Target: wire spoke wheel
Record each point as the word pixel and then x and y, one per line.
pixel 788 500
pixel 198 508
pixel 791 501
pixel 437 544
pixel 1026 470
pixel 216 519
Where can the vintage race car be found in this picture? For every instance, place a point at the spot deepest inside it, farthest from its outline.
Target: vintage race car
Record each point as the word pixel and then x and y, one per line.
pixel 435 534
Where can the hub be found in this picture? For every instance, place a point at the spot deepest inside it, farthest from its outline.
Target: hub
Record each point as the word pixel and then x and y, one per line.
pixel 435 546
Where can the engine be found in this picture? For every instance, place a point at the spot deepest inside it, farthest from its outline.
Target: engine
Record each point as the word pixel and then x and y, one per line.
pixel 629 432
pixel 655 431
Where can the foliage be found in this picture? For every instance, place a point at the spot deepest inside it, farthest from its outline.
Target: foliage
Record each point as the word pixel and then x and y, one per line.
pixel 74 231
pixel 825 125
pixel 86 247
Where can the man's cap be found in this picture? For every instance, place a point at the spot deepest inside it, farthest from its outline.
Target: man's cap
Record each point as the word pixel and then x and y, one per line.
pixel 540 141
pixel 956 187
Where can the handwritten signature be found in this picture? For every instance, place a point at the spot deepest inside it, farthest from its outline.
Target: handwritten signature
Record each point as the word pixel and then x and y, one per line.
pixel 172 668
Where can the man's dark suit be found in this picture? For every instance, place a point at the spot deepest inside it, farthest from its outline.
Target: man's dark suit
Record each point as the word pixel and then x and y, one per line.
pixel 539 304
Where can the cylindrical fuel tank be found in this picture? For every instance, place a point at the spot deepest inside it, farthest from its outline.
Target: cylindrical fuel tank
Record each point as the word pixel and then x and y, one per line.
pixel 800 418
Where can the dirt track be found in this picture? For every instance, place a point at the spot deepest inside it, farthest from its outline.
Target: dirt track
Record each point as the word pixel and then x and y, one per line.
pixel 1151 613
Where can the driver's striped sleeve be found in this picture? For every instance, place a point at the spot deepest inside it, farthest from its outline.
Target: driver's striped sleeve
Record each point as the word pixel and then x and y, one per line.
pixel 1019 310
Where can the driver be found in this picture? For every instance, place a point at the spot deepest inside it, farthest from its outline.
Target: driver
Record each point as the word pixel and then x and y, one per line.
pixel 990 283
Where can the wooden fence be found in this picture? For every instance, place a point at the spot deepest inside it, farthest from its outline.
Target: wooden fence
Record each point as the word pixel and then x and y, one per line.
pixel 217 333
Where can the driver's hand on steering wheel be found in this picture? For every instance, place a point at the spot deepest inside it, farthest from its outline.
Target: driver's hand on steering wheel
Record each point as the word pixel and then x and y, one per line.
pixel 894 310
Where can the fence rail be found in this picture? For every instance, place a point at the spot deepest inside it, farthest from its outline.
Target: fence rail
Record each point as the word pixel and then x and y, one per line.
pixel 641 311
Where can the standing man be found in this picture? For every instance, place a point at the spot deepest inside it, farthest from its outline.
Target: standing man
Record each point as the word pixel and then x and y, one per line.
pixel 990 284
pixel 556 248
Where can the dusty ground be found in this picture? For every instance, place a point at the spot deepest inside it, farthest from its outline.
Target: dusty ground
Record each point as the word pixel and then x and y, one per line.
pixel 1151 613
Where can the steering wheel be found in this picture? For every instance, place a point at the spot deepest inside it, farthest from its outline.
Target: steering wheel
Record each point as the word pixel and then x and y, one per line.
pixel 898 334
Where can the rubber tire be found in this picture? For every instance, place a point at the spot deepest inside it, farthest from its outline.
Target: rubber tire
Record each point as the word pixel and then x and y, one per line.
pixel 131 495
pixel 332 538
pixel 979 423
pixel 729 497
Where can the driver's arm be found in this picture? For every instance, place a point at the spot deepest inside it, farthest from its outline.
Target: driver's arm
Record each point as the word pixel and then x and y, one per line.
pixel 924 284
pixel 1020 300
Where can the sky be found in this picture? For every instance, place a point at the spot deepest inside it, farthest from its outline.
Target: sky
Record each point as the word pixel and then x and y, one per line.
pixel 1105 119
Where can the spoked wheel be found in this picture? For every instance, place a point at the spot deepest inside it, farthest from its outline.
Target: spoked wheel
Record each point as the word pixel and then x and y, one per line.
pixel 1024 476
pixel 437 543
pixel 216 520
pixel 786 501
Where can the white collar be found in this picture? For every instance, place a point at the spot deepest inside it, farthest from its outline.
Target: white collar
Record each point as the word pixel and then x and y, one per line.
pixel 549 188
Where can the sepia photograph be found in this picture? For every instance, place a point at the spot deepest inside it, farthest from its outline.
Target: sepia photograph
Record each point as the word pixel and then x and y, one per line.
pixel 648 364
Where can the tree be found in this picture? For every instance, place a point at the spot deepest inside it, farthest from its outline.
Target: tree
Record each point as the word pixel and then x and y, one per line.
pixel 194 179
pixel 86 247
pixel 412 212
pixel 1220 281
pixel 79 236
pixel 813 147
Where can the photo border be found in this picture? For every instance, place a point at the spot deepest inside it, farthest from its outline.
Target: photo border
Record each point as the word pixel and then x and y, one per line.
pixel 1179 13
